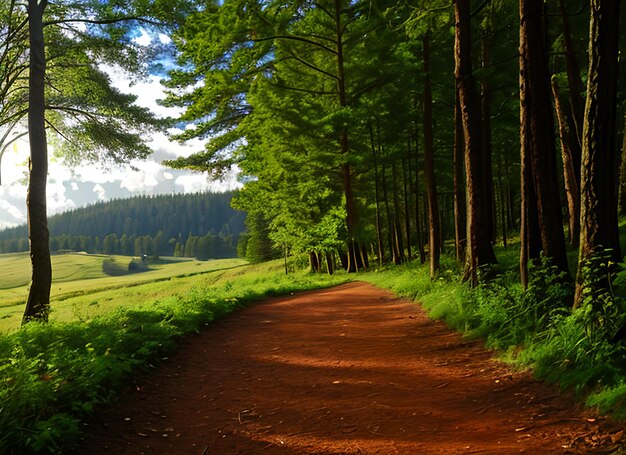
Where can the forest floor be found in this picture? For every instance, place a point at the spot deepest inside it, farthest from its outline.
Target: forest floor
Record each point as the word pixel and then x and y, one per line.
pixel 345 370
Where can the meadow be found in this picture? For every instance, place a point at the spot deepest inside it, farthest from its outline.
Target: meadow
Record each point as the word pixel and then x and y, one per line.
pixel 81 289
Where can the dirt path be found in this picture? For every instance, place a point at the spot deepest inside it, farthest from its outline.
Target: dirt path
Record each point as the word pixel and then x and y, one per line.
pixel 341 371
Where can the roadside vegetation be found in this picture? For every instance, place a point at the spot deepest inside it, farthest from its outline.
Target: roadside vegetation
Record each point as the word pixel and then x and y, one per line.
pixel 581 349
pixel 54 376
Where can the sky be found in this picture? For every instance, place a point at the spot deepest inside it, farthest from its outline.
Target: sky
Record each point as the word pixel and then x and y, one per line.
pixel 70 188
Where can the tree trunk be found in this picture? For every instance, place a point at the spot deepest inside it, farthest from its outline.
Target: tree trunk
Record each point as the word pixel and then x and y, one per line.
pixel 434 241
pixel 407 205
pixel 572 192
pixel 351 215
pixel 622 175
pixel 576 88
pixel 479 248
pixel 598 185
pixel 379 231
pixel 399 247
pixel 418 217
pixel 460 223
pixel 503 202
pixel 487 149
pixel 538 131
pixel 38 304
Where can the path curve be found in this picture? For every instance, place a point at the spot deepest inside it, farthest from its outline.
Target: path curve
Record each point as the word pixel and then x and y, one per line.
pixel 346 370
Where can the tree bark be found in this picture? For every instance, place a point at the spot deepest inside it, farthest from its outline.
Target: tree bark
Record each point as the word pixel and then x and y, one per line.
pixel 576 88
pixel 598 186
pixel 487 149
pixel 38 303
pixel 407 206
pixel 479 248
pixel 397 225
pixel 537 131
pixel 434 237
pixel 418 217
pixel 570 180
pixel 354 261
pixel 460 223
pixel 622 174
pixel 379 231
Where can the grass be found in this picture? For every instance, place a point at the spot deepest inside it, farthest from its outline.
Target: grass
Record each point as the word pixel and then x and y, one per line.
pixel 52 376
pixel 105 328
pixel 537 329
pixel 81 289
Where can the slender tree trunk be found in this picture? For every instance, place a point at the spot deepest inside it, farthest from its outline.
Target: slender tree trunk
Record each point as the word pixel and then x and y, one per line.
pixel 351 213
pixel 399 248
pixel 418 217
pixel 390 240
pixel 598 187
pixel 538 129
pixel 379 232
pixel 479 248
pixel 407 205
pixel 487 149
pixel 460 223
pixel 38 304
pixel 576 89
pixel 572 192
pixel 434 237
pixel 503 203
pixel 622 175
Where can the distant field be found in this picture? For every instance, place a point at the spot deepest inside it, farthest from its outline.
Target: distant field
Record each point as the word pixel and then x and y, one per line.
pixel 81 289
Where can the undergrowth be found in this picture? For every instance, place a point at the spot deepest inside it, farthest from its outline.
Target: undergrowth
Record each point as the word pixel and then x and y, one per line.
pixel 54 376
pixel 581 349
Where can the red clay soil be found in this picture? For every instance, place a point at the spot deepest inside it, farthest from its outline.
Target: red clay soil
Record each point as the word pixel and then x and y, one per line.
pixel 346 370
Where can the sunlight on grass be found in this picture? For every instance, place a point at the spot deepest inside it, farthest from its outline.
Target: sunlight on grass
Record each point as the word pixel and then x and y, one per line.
pixel 81 290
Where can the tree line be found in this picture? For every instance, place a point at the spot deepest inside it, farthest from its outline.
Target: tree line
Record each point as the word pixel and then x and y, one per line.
pixel 201 225
pixel 351 120
pixel 362 130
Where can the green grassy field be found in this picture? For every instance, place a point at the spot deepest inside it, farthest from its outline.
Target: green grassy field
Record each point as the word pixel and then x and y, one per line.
pixel 82 290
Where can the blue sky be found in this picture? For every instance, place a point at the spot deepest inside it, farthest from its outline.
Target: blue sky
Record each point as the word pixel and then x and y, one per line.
pixel 70 188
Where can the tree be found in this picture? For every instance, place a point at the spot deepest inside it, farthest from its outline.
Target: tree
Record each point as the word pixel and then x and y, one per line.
pixel 598 184
pixel 538 153
pixel 479 248
pixel 434 230
pixel 72 97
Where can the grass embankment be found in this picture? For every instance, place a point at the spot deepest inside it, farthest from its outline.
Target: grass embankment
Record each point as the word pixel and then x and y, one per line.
pixel 579 349
pixel 53 376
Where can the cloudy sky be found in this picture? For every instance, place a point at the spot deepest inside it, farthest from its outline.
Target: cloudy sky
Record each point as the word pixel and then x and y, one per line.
pixel 70 188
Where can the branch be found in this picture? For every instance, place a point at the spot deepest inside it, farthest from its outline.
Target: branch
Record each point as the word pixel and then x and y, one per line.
pixel 313 67
pixel 480 7
pixel 296 89
pixel 296 38
pixel 105 21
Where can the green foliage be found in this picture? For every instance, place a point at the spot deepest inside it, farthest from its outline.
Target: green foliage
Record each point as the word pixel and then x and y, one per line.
pixel 151 225
pixel 582 349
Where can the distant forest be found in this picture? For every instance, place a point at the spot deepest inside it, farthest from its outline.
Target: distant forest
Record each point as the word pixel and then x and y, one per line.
pixel 201 225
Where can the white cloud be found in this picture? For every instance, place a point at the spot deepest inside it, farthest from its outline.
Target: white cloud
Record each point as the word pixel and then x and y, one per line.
pixel 164 38
pixel 13 211
pixel 57 200
pixel 100 191
pixel 89 183
pixel 144 39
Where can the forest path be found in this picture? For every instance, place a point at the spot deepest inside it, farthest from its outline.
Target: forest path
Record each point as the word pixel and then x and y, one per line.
pixel 346 370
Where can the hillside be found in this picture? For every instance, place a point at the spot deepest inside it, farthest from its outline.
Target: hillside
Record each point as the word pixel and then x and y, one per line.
pixel 202 225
